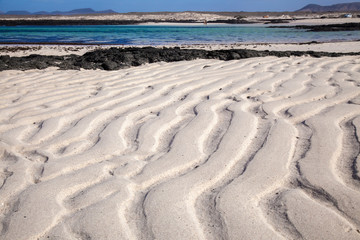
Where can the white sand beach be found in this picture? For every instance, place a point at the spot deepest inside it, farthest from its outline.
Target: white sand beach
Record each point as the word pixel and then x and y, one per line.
pixel 20 50
pixel 298 18
pixel 261 148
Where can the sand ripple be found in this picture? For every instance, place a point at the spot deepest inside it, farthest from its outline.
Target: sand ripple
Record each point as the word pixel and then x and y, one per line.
pixel 262 148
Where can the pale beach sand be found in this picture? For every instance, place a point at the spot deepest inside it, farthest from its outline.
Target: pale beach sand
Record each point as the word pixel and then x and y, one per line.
pixel 260 148
pixel 20 50
pixel 173 17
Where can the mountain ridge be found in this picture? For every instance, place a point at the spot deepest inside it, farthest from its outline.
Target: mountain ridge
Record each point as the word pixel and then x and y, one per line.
pixel 71 12
pixel 313 8
pixel 341 7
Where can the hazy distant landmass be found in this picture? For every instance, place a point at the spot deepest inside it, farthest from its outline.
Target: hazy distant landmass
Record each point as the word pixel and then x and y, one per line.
pixel 72 12
pixel 313 8
pixel 342 7
pixel 18 13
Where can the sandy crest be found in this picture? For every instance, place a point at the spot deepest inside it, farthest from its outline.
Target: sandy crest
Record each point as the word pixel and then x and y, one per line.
pixel 261 148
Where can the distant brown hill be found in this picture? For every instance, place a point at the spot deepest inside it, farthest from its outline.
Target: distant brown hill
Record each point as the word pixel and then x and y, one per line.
pixel 72 12
pixel 342 7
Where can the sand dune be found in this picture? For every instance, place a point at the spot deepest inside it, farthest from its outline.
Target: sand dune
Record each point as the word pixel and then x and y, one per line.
pixel 262 148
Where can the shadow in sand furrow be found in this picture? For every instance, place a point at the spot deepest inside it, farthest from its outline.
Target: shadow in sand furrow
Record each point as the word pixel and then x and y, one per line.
pixel 178 160
pixel 59 124
pixel 183 151
pixel 306 143
pixel 134 103
pixel 321 104
pixel 294 233
pixel 318 186
pixel 53 177
pixel 250 186
pixel 204 198
pixel 20 170
pixel 152 196
pixel 277 214
pixel 184 99
pixel 50 208
pixel 307 216
pixel 85 205
pixel 101 118
pixel 355 166
pixel 347 161
pixel 154 105
pixel 156 135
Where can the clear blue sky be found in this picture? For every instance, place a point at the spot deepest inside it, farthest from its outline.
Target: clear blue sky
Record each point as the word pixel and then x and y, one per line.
pixel 161 5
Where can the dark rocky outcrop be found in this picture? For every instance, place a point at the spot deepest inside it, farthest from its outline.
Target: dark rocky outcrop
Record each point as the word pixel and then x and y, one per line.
pixel 331 27
pixel 118 58
pixel 233 21
pixel 325 28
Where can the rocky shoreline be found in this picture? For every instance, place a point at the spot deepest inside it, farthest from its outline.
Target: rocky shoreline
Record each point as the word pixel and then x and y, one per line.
pixel 119 58
pixel 326 28
pixel 353 26
pixel 83 22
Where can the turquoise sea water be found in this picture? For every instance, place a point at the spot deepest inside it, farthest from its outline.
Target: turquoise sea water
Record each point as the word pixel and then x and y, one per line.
pixel 164 35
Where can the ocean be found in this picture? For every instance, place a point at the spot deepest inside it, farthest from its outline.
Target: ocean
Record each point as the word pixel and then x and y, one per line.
pixel 166 35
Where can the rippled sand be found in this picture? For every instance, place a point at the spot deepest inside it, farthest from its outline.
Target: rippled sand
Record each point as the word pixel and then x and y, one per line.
pixel 262 148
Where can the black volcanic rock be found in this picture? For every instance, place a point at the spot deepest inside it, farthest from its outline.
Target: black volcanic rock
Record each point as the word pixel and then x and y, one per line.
pixel 232 21
pixel 118 58
pixel 342 7
pixel 331 27
pixel 325 28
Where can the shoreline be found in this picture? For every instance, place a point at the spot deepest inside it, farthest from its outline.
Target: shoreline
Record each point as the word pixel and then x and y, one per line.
pixel 56 49
pixel 187 22
pixel 352 26
pixel 120 58
pixel 198 16
pixel 201 45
